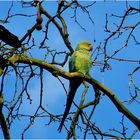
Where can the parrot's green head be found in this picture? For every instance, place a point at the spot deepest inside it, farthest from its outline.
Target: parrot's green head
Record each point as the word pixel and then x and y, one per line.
pixel 84 45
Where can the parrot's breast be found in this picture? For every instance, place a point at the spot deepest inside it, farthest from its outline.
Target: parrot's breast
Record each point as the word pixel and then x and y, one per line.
pixel 83 62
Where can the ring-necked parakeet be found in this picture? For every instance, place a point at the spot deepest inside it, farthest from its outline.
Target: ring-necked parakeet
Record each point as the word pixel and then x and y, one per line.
pixel 80 61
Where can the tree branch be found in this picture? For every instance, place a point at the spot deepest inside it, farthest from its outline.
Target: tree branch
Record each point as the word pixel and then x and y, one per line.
pixel 3 121
pixel 60 29
pixel 59 72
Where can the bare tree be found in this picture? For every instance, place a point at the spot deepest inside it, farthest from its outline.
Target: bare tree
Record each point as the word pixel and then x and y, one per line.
pixel 26 59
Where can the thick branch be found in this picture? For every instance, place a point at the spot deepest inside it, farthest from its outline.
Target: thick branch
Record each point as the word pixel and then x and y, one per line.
pixel 3 121
pixel 64 36
pixel 58 72
pixel 9 38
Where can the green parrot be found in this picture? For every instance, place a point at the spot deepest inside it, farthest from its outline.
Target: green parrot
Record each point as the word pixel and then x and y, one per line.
pixel 80 61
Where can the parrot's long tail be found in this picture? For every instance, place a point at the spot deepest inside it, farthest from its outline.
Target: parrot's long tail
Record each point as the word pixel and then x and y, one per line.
pixel 73 87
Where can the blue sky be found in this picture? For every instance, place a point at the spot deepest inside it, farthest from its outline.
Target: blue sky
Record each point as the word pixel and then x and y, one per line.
pixel 117 79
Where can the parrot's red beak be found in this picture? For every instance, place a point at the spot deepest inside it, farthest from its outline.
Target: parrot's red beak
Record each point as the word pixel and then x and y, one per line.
pixel 91 47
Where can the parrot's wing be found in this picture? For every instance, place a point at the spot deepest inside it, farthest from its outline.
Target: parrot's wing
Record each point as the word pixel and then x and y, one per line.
pixel 72 62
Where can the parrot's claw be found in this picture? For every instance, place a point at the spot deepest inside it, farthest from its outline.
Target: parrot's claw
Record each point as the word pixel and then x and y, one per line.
pixel 55 73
